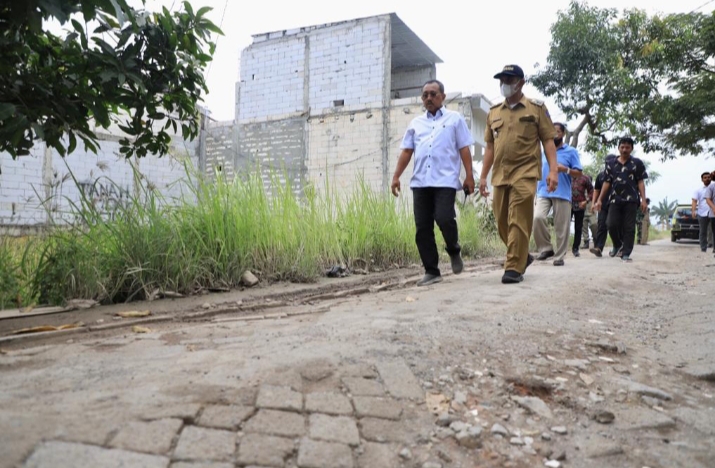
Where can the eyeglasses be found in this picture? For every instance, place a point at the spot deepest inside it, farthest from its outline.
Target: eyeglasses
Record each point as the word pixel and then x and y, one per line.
pixel 427 94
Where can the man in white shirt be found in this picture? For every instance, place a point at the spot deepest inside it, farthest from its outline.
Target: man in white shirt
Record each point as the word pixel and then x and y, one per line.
pixel 702 211
pixel 440 141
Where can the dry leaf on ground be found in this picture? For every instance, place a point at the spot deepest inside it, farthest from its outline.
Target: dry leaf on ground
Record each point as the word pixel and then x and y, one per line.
pixel 437 403
pixel 46 328
pixel 81 304
pixel 134 313
pixel 140 329
pixel 410 299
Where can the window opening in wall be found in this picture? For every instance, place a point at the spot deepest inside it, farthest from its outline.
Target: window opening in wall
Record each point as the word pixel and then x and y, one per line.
pixel 253 77
pixel 339 103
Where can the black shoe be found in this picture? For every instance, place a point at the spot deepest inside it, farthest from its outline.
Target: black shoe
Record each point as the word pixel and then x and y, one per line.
pixel 545 255
pixel 576 253
pixel 428 279
pixel 457 263
pixel 619 254
pixel 613 252
pixel 559 263
pixel 585 246
pixel 511 277
pixel 529 261
pixel 596 251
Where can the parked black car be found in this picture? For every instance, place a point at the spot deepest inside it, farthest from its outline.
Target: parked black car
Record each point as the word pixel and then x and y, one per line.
pixel 683 224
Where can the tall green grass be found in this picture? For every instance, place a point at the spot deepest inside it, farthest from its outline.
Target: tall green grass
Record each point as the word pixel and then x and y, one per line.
pixel 208 239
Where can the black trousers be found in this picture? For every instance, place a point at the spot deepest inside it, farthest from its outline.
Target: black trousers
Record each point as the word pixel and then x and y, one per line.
pixel 622 225
pixel 578 228
pixel 435 205
pixel 703 223
pixel 602 233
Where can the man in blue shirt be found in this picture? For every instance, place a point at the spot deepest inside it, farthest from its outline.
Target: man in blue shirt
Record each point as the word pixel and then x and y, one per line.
pixel 569 165
pixel 440 141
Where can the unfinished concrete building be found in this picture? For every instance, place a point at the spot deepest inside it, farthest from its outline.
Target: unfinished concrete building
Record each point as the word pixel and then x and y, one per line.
pixel 330 103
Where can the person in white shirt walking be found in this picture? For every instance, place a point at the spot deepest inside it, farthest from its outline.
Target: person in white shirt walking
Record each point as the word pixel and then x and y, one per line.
pixel 702 211
pixel 440 141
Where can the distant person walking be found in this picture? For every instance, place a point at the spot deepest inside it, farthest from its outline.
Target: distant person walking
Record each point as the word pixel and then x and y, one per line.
pixel 643 224
pixel 440 141
pixel 559 200
pixel 590 224
pixel 710 200
pixel 516 129
pixel 625 176
pixel 701 211
pixel 599 240
pixel 581 194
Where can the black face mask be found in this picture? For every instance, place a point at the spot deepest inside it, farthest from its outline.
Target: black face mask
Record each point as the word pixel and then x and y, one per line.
pixel 558 141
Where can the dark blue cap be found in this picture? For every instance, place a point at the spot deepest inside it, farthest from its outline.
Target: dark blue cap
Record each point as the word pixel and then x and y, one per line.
pixel 510 70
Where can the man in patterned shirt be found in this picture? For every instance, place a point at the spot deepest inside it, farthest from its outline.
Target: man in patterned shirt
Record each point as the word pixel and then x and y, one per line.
pixel 581 193
pixel 625 176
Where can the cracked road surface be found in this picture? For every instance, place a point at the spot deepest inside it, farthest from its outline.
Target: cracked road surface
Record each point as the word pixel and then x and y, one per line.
pixel 594 364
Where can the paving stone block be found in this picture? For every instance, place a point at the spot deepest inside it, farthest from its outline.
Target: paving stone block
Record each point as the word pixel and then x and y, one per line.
pixel 56 454
pixel 385 408
pixel 334 429
pixel 264 450
pixel 283 398
pixel 86 431
pixel 399 380
pixel 279 423
pixel 328 403
pixel 363 387
pixel 225 416
pixel 317 370
pixel 202 464
pixel 186 412
pixel 315 454
pixel 382 430
pixel 149 437
pixel 378 456
pixel 198 443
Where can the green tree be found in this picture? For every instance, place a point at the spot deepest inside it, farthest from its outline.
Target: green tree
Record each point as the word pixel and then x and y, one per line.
pixel 664 211
pixel 592 72
pixel 630 73
pixel 113 63
pixel 681 48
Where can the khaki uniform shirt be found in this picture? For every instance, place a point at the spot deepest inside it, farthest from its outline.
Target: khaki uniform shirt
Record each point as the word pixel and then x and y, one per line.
pixel 517 135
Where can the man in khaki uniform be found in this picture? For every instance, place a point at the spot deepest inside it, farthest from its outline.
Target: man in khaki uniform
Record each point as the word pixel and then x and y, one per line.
pixel 516 129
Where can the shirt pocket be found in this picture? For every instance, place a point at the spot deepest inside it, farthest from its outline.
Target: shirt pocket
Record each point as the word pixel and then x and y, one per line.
pixel 497 128
pixel 528 128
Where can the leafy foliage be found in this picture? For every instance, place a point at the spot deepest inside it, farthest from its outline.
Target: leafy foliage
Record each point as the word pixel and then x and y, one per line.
pixel 629 73
pixel 664 211
pixel 114 64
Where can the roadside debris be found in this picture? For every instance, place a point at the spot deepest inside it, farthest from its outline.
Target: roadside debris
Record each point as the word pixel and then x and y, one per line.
pixel 134 313
pixel 47 328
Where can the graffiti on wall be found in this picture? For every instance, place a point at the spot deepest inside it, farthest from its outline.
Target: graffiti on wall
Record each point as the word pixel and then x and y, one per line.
pixel 106 196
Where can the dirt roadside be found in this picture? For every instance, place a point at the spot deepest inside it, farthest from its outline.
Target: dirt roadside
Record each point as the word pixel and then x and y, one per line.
pixel 594 364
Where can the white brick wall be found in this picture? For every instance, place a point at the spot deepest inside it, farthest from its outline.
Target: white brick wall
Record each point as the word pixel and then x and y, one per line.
pixel 343 146
pixel 272 78
pixel 19 204
pixel 28 185
pixel 408 82
pixel 347 62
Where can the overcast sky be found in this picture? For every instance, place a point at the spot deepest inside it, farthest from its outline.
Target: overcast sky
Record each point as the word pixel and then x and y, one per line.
pixel 474 40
